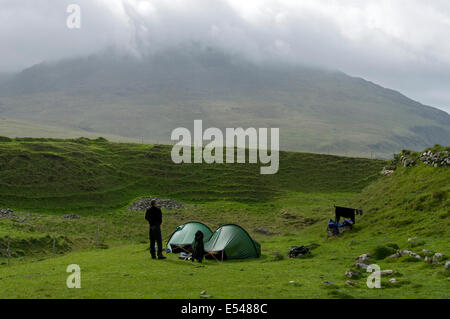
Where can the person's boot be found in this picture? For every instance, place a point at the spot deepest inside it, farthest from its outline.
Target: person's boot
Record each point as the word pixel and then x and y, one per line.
pixel 162 257
pixel 153 257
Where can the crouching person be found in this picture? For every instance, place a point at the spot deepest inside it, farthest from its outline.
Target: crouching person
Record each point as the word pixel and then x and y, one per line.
pixel 154 217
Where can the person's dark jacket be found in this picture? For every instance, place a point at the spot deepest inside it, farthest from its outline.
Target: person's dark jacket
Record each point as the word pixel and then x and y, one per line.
pixel 154 216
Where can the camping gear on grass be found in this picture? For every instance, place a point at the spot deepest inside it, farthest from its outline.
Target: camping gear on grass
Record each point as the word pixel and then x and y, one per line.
pixel 198 247
pixel 183 237
pixel 232 242
pixel 335 229
pixel 185 256
pixel 296 251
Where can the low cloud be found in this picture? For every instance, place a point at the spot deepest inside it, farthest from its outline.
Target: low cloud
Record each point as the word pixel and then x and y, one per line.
pixel 400 44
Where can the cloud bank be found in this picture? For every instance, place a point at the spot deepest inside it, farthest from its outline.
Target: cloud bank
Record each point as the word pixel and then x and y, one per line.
pixel 402 44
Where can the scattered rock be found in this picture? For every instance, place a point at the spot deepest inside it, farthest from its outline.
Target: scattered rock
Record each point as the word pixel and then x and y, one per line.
pixel 144 203
pixel 407 161
pixel 428 259
pixel 438 255
pixel 404 252
pixel 71 216
pixel 292 282
pixel 330 283
pixel 447 264
pixel 396 255
pixel 205 296
pixel 415 255
pixel 363 259
pixel 426 251
pixel 361 266
pixel 263 231
pixel 386 172
pixel 350 283
pixel 352 274
pixel 6 213
pixel 387 272
pixel 393 280
pixel 435 159
pixel 203 292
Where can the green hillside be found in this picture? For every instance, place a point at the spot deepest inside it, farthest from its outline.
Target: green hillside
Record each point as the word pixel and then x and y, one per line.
pixel 95 175
pixel 316 110
pixel 42 180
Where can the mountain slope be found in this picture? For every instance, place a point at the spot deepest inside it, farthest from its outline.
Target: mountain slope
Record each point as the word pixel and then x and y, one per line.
pixel 316 110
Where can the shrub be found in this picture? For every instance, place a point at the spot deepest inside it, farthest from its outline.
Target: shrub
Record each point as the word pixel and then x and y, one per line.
pixel 393 245
pixel 382 252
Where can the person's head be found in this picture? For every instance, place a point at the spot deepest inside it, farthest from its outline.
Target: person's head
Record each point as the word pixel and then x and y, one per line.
pixel 154 203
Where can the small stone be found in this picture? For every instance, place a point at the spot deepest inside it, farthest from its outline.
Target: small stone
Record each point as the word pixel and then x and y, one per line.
pixel 363 259
pixel 351 274
pixel 361 266
pixel 292 282
pixel 203 292
pixel 404 252
pixel 393 280
pixel 350 283
pixel 387 272
pixel 396 255
pixel 426 251
pixel 447 264
pixel 326 282
pixel 438 255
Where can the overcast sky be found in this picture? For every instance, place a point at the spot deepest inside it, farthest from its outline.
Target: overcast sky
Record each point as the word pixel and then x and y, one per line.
pixel 400 44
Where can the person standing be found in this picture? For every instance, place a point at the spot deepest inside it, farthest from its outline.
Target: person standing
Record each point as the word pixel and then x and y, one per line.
pixel 154 217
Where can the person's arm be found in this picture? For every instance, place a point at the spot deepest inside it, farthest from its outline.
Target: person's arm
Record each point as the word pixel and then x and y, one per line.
pixel 160 216
pixel 147 215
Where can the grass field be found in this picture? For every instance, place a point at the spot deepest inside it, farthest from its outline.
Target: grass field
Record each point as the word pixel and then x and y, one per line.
pixel 44 179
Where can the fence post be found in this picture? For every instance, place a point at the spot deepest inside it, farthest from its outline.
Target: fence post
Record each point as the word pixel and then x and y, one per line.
pixel 96 236
pixel 54 245
pixel 8 252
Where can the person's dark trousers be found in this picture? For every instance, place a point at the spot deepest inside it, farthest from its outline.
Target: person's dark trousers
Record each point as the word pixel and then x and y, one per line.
pixel 155 236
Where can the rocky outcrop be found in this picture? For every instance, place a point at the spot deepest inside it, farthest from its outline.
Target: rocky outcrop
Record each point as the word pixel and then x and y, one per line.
pixel 6 213
pixel 144 203
pixel 435 159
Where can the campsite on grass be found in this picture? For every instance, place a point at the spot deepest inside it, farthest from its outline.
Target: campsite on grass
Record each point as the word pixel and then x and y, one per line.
pixel 264 237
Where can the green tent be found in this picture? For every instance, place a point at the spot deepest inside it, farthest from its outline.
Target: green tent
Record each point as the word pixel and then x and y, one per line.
pixel 232 242
pixel 183 237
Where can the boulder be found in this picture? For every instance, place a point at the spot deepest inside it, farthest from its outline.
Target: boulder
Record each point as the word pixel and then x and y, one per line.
pixel 361 266
pixel 438 255
pixel 352 274
pixel 363 259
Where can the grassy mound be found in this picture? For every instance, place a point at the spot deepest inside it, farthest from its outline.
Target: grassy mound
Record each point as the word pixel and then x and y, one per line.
pixel 413 201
